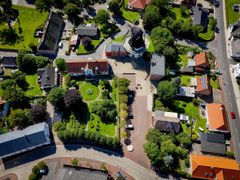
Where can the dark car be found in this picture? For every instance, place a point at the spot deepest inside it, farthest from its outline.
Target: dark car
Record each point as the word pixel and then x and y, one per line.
pixel 130 115
pixel 43 171
pixel 233 116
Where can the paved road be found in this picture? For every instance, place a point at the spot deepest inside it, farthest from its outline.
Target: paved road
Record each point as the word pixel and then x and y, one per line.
pixel 230 101
pixel 29 159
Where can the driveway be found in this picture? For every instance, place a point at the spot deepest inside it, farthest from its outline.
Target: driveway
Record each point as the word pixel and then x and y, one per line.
pixel 141 122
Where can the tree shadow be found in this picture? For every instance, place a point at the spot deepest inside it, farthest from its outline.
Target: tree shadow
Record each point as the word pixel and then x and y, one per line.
pixel 8 37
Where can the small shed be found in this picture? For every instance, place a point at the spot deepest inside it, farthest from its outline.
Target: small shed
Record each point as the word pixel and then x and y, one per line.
pixel 193 82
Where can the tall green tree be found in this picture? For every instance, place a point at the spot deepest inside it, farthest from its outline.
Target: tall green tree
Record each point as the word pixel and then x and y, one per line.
pixel 44 5
pixel 61 64
pixel 18 118
pixel 27 64
pixel 166 91
pixel 20 80
pixel 71 10
pixel 55 97
pixel 102 16
pixel 7 13
pixel 114 6
pixel 151 17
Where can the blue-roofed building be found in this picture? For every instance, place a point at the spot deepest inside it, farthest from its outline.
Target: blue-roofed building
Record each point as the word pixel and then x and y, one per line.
pixel 19 141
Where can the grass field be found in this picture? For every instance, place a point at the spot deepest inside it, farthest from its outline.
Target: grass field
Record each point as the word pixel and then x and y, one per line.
pixel 96 124
pixel 215 83
pixel 34 89
pixel 130 16
pixel 231 16
pixel 207 36
pixel 89 92
pixel 118 39
pixel 178 14
pixel 81 48
pixel 191 110
pixel 184 60
pixel 29 19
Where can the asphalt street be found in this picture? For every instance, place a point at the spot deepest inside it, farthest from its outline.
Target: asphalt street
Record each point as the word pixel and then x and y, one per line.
pixel 230 101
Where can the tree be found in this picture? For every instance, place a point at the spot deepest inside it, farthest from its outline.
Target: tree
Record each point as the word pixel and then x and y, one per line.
pixel 7 13
pixel 152 151
pixel 114 6
pixel 44 5
pixel 38 113
pixel 196 29
pixel 166 91
pixel 105 109
pixel 184 140
pixel 18 118
pixel 55 97
pixel 170 53
pixel 71 10
pixel 102 16
pixel 86 3
pixel 20 79
pixel 41 61
pixel 72 99
pixel 27 64
pixel 61 64
pixel 122 85
pixel 168 161
pixel 87 43
pixel 151 17
pixel 33 176
pixel 161 37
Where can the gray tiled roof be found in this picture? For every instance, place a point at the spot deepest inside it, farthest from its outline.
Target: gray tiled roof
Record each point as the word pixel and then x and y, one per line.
pixel 200 16
pixel 115 47
pixel 21 140
pixel 52 32
pixel 158 65
pixel 87 31
pixel 47 75
pixel 213 143
pixel 84 174
pixel 9 62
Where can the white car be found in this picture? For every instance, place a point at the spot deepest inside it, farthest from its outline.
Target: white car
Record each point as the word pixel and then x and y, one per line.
pixel 129 126
pixel 60 44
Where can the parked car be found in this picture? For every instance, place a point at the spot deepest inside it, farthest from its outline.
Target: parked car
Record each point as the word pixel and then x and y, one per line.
pixel 43 171
pixel 129 126
pixel 60 44
pixel 130 115
pixel 233 116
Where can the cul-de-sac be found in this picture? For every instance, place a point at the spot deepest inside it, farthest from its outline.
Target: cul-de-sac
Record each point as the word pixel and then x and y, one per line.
pixel 119 89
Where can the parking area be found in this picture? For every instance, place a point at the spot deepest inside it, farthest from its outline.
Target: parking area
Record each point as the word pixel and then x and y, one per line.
pixel 142 122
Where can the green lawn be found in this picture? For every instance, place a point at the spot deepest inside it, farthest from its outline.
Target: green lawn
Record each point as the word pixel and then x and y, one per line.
pixel 207 36
pixel 150 46
pixel 215 83
pixel 129 15
pixel 89 92
pixel 178 13
pixel 81 48
pixel 184 60
pixel 231 16
pixel 34 89
pixel 96 124
pixel 30 19
pixel 118 39
pixel 191 110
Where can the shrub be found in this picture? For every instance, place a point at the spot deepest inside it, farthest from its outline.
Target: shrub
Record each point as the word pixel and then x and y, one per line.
pixel 42 165
pixel 74 162
pixel 59 126
pixel 33 47
pixel 230 154
pixel 32 176
pixel 103 166
pixel 195 102
pixel 35 169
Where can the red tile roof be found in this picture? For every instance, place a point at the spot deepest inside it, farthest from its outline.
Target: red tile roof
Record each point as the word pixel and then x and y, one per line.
pixel 139 4
pixel 78 66
pixel 201 59
pixel 210 167
pixel 203 85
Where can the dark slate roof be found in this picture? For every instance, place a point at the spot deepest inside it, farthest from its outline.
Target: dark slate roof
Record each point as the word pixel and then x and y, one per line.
pixel 84 174
pixel 18 141
pixel 200 16
pixel 115 47
pixel 87 30
pixel 9 62
pixel 213 143
pixel 51 34
pixel 236 30
pixel 136 31
pixel 158 65
pixel 48 76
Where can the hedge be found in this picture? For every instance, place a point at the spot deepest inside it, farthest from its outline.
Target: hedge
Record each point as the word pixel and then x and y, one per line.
pixel 78 134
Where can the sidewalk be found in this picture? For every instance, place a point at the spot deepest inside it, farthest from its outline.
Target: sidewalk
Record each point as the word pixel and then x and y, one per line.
pixel 235 88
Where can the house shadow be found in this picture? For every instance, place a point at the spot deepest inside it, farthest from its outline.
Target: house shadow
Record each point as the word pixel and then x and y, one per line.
pixel 119 20
pixel 74 145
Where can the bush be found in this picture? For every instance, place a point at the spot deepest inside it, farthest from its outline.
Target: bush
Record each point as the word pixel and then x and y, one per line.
pixel 33 47
pixel 32 176
pixel 35 169
pixel 230 154
pixel 74 162
pixel 195 102
pixel 42 165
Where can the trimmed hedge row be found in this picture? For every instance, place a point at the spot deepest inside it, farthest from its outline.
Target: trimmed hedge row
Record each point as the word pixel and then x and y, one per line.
pixel 78 134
